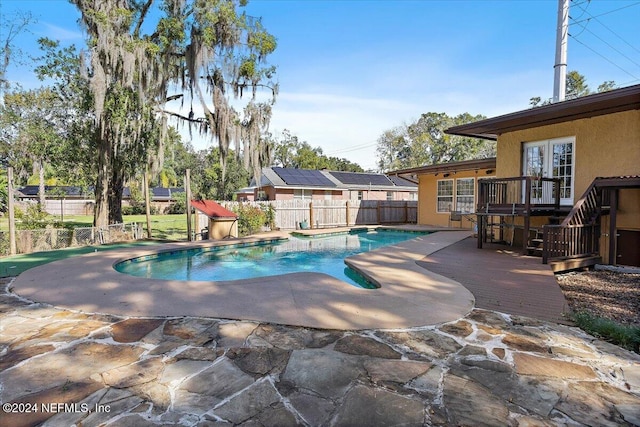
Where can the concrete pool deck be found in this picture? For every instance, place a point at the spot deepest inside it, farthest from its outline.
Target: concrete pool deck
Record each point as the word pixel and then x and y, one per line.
pixel 409 294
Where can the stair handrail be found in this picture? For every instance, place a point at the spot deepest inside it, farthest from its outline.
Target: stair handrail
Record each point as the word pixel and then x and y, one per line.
pixel 578 206
pixel 551 248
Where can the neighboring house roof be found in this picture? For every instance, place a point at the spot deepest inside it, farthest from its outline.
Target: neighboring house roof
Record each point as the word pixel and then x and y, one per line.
pixel 157 193
pixel 56 191
pixel 212 209
pixel 614 101
pixel 465 165
pixel 278 177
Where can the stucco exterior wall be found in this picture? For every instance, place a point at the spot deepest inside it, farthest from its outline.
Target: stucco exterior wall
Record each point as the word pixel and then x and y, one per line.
pixel 427 198
pixel 605 146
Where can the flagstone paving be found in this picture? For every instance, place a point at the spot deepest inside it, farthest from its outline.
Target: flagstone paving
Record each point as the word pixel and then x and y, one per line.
pixel 484 369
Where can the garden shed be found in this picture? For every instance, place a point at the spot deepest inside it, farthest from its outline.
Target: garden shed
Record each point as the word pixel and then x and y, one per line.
pixel 222 223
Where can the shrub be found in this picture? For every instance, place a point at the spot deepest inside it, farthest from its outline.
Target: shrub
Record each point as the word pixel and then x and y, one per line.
pixel 179 206
pixel 250 219
pixel 270 215
pixel 34 217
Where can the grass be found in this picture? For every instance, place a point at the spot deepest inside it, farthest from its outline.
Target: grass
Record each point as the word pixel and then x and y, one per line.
pixel 622 335
pixel 14 265
pixel 172 227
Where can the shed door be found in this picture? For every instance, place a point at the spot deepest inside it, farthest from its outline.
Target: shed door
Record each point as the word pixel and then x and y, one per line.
pixel 628 248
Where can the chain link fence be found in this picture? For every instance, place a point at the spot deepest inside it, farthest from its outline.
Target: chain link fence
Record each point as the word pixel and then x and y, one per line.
pixel 48 239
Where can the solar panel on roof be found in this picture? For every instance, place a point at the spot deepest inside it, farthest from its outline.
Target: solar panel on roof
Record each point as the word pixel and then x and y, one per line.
pixel 402 182
pixel 352 178
pixel 306 177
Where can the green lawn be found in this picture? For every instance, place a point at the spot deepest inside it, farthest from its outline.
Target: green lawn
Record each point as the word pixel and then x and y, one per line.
pixel 14 265
pixel 173 227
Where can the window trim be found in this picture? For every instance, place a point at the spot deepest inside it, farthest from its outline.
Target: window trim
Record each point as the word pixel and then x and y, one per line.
pixel 472 195
pixel 439 196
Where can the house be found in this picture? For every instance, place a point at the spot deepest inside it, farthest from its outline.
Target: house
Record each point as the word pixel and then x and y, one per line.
pixel 567 180
pixel 447 193
pixel 75 200
pixel 278 183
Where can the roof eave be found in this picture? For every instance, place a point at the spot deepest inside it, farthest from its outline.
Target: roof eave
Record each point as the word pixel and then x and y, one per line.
pixel 598 104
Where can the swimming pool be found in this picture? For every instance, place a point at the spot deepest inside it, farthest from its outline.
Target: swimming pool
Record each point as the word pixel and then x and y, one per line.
pixel 318 255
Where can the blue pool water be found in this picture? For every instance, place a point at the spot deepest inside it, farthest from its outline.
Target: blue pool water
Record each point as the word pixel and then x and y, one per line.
pixel 319 255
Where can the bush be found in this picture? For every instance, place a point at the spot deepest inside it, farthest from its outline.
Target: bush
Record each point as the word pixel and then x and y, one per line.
pixel 250 219
pixel 179 206
pixel 34 218
pixel 270 215
pixel 138 210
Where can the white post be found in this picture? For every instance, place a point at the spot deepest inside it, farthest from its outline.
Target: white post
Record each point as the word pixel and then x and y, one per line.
pixel 187 187
pixel 12 217
pixel 560 67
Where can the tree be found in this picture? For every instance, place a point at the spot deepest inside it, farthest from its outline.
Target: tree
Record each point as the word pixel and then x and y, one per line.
pixel 29 120
pixel 290 152
pixel 206 47
pixel 425 143
pixel 576 87
pixel 11 26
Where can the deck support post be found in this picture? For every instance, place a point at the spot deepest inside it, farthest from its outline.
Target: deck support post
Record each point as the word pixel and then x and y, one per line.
pixel 612 225
pixel 527 215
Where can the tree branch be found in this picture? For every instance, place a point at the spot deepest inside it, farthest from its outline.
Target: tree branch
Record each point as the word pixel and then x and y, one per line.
pixel 143 14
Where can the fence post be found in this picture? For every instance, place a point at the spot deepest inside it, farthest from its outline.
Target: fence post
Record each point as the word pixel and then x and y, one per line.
pixel 378 207
pixel 347 209
pixel 310 214
pixel 187 186
pixel 12 218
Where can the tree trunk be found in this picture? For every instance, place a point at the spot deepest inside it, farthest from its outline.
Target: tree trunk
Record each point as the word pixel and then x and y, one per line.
pixel 101 212
pixel 115 195
pixel 41 195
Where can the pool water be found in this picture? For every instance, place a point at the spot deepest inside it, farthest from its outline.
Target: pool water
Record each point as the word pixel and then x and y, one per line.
pixel 318 255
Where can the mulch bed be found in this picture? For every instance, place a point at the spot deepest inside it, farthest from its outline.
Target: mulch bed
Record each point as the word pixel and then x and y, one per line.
pixel 608 294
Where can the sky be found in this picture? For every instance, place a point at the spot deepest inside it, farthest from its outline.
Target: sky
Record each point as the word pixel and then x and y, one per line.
pixel 348 70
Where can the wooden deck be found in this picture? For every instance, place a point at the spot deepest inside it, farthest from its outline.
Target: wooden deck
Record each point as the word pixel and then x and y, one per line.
pixel 502 279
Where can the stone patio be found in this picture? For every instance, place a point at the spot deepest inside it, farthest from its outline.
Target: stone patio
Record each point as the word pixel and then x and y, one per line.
pixel 486 368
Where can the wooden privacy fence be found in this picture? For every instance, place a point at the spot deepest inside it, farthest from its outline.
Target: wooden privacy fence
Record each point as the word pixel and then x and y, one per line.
pixel 289 214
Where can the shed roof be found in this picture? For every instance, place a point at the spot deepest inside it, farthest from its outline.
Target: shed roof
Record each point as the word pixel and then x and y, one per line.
pixel 212 209
pixel 614 101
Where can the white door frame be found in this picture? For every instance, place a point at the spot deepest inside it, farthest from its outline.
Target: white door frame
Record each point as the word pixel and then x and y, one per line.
pixel 548 163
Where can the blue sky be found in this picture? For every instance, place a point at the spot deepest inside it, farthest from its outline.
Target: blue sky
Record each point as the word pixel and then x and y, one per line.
pixel 349 70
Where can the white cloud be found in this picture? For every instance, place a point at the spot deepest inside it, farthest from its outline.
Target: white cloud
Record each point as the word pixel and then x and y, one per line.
pixel 63 34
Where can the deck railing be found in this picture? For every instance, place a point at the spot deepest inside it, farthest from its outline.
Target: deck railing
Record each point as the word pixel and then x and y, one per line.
pixel 517 195
pixel 579 234
pixel 570 241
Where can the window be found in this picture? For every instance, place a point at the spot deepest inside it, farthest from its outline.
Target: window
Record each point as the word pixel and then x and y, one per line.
pixel 262 195
pixel 360 195
pixel 389 195
pixel 445 195
pixel 300 194
pixel 465 195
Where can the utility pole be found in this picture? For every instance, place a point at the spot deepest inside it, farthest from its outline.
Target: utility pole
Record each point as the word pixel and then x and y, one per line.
pixel 560 67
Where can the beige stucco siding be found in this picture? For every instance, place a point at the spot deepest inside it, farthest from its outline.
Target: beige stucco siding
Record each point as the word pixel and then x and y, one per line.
pixel 427 198
pixel 605 146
